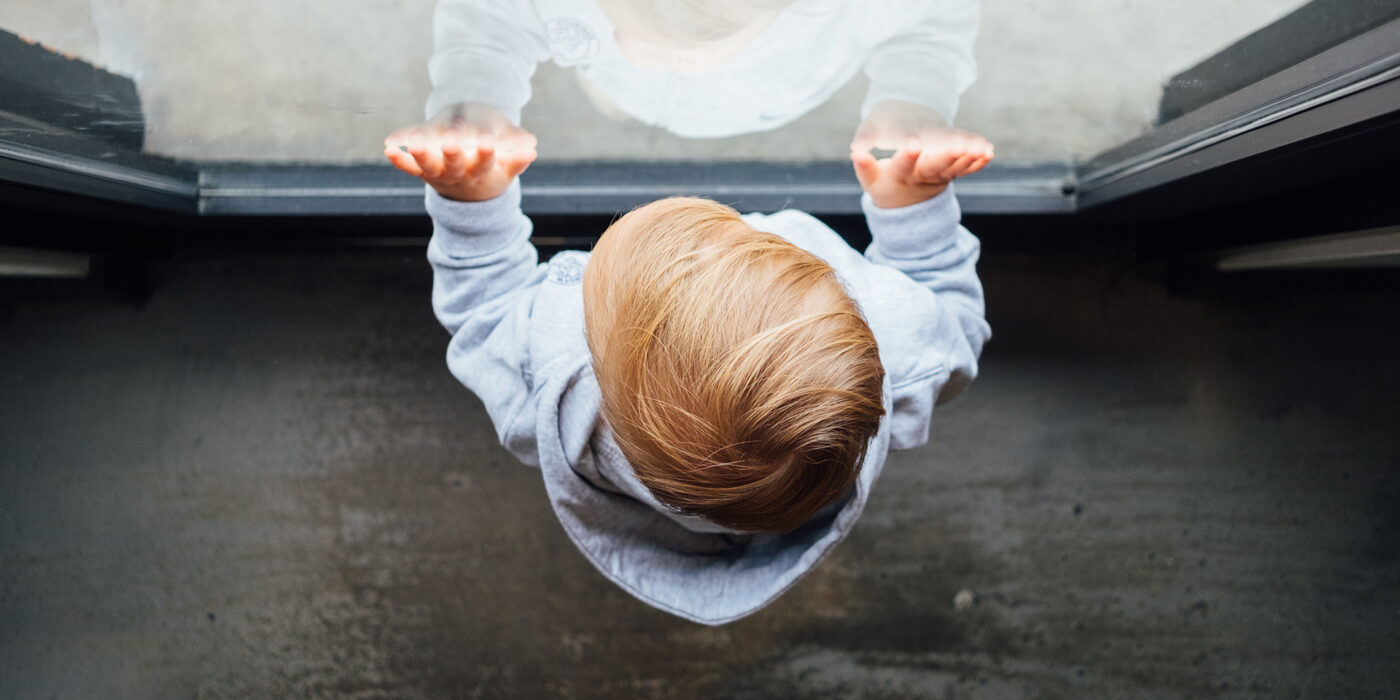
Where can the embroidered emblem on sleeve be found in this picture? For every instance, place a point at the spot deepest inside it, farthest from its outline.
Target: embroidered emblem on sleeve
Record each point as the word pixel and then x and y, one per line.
pixel 567 267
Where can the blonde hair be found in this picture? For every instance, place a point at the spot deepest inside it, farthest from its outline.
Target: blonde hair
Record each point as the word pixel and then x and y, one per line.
pixel 740 380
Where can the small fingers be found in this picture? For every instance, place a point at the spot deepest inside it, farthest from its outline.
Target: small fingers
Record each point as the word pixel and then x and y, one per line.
pixel 959 166
pixel 427 154
pixel 978 146
pixel 931 165
pixel 403 161
pixel 978 164
pixel 902 163
pixel 983 146
pixel 866 167
pixel 429 161
pixel 454 163
pixel 484 160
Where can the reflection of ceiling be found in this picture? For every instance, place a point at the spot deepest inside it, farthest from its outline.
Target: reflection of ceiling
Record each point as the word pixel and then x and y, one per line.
pixel 270 80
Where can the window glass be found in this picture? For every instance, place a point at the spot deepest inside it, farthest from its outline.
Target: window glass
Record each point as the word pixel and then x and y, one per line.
pixel 278 81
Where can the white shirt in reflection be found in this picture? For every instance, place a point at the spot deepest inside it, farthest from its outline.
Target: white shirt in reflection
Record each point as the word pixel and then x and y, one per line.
pixel 917 51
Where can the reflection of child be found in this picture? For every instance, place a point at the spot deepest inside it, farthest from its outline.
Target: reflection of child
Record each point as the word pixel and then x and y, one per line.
pixel 715 68
pixel 709 397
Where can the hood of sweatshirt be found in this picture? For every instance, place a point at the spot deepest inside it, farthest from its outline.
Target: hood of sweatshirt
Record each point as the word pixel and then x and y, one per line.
pixel 681 564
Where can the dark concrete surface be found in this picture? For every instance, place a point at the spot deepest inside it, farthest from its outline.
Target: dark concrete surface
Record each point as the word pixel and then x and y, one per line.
pixel 264 483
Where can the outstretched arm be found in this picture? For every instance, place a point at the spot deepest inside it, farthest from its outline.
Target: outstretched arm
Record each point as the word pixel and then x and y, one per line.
pixel 485 274
pixel 926 242
pixel 915 226
pixel 485 278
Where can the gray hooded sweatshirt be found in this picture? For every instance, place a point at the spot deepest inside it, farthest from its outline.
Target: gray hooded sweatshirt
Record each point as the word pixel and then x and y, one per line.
pixel 518 343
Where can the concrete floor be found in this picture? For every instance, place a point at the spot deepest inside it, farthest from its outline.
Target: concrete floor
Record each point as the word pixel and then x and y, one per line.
pixel 277 81
pixel 264 483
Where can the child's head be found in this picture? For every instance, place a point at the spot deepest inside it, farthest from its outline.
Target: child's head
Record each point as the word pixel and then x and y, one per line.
pixel 687 36
pixel 739 378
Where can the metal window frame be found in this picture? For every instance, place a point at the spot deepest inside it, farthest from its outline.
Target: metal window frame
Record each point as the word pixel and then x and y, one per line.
pixel 608 187
pixel 41 156
pixel 1353 82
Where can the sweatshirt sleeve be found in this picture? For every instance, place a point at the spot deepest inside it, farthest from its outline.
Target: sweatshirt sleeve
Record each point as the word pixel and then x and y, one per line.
pixel 927 243
pixel 485 278
pixel 929 60
pixel 485 51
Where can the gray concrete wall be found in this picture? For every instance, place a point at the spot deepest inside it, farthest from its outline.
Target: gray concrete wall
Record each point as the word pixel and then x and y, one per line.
pixel 264 483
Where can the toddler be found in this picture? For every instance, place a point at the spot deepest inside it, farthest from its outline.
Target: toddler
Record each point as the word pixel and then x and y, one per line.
pixel 708 396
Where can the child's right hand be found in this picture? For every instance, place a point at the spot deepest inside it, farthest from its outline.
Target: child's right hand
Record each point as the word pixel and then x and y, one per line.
pixel 911 175
pixel 467 152
pixel 929 154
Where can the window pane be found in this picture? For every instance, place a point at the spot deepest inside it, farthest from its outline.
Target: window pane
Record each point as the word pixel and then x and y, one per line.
pixel 278 81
